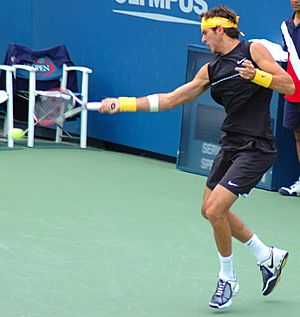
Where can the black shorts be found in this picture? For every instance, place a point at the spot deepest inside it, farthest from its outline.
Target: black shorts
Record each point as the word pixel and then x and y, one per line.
pixel 241 163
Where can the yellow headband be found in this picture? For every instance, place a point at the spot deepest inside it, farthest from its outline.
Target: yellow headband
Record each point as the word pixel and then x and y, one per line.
pixel 210 23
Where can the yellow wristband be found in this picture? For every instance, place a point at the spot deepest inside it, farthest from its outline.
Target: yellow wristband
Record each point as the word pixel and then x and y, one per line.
pixel 262 78
pixel 127 104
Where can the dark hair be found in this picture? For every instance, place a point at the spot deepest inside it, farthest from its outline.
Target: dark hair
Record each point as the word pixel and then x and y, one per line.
pixel 224 12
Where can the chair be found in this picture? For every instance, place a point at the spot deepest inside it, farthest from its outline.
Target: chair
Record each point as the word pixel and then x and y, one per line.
pixel 44 70
pixel 7 72
pixel 84 97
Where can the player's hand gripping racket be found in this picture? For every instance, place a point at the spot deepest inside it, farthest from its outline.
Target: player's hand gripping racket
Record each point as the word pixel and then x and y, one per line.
pixel 53 107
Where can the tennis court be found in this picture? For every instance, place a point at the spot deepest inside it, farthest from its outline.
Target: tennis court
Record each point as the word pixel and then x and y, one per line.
pixel 100 233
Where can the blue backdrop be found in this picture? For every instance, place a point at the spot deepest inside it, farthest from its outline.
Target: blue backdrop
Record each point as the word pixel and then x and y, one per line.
pixel 135 47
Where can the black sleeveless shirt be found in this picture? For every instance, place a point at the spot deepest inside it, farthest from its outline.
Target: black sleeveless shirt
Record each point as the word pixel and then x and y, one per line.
pixel 246 104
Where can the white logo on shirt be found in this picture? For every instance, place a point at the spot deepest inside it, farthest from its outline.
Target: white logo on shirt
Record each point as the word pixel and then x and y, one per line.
pixel 241 61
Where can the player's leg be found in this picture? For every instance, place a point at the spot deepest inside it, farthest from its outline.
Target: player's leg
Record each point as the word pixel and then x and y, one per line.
pixel 216 203
pixel 246 171
pixel 242 174
pixel 216 211
pixel 238 229
pixel 215 207
pixel 242 233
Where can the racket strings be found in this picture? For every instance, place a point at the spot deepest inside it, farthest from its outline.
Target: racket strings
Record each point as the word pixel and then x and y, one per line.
pixel 49 110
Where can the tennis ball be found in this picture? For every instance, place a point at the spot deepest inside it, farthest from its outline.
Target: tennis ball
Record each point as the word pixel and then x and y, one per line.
pixel 17 134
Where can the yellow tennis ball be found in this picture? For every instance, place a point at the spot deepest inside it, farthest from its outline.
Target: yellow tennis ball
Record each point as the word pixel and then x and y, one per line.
pixel 17 134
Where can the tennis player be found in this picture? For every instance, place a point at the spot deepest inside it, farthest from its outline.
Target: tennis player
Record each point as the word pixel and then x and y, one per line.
pixel 241 79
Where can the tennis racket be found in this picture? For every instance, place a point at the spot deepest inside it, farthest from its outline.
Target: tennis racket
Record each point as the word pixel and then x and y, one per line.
pixel 3 96
pixel 54 106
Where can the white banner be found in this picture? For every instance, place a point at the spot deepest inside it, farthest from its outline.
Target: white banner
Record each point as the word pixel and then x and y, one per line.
pixel 143 8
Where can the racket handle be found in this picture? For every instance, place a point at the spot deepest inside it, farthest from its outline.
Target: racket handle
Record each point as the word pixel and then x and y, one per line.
pixel 93 105
pixel 98 105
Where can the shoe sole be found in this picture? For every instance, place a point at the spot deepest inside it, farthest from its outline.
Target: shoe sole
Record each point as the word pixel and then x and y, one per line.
pixel 287 193
pixel 273 283
pixel 229 303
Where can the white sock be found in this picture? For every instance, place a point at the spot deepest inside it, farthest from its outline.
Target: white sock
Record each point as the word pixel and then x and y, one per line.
pixel 258 248
pixel 226 271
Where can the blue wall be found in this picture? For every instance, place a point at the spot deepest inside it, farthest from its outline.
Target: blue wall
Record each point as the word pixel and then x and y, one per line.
pixel 130 55
pixel 15 23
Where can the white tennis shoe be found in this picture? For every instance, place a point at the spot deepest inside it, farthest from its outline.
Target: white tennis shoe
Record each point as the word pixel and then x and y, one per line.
pixel 222 297
pixel 271 269
pixel 293 190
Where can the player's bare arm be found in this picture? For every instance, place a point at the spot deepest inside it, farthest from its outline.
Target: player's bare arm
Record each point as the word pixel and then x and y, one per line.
pixel 280 80
pixel 187 92
pixel 167 101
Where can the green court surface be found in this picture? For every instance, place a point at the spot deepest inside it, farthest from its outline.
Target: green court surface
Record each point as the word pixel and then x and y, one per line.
pixel 93 233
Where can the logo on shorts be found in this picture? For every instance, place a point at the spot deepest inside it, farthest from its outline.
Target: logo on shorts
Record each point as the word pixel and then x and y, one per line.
pixel 232 184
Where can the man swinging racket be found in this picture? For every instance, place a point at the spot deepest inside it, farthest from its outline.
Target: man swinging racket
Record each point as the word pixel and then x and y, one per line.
pixel 241 79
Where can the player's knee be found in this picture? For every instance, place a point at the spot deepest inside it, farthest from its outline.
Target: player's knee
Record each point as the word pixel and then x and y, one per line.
pixel 213 214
